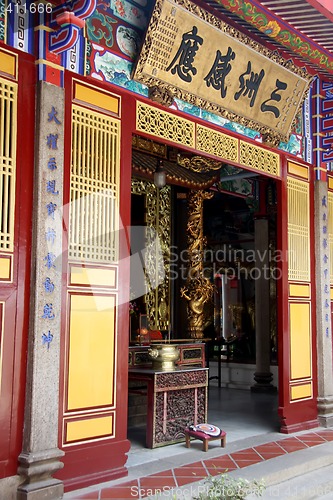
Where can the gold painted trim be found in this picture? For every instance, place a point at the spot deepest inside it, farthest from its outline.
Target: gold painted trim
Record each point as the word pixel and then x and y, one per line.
pixel 96 98
pixel 160 123
pixel 301 391
pixel 300 341
pixel 329 224
pixel 214 142
pixel 8 145
pixel 41 27
pixel 330 182
pixel 50 64
pixel 90 428
pixel 157 216
pixel 93 276
pixel 320 169
pixel 299 170
pixel 331 295
pixel 8 63
pixel 299 262
pixel 6 268
pixel 91 364
pixel 299 290
pixel 260 159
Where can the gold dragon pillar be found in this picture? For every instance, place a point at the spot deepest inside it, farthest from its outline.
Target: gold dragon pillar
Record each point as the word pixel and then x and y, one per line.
pixel 198 289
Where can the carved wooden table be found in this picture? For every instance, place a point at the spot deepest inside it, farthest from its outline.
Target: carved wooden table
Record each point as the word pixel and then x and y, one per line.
pixel 175 400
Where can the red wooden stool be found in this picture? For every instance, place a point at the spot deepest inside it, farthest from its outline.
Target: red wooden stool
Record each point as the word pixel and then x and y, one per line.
pixel 204 437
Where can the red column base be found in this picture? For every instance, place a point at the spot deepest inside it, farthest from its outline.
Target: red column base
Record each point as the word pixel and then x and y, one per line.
pixel 92 464
pixel 302 426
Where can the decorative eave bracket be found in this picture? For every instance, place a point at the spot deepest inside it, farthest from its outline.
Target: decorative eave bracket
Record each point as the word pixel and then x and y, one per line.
pixel 70 24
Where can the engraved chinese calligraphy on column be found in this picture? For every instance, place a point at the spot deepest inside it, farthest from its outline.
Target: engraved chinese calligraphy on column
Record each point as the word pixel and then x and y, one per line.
pixel 51 201
pixel 326 277
pixel 50 192
pixel 40 433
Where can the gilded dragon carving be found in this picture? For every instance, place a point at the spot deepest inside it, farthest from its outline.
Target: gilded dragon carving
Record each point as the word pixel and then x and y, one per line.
pixel 198 289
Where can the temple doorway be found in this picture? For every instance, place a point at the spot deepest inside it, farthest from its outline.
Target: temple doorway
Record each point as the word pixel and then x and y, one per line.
pixel 240 260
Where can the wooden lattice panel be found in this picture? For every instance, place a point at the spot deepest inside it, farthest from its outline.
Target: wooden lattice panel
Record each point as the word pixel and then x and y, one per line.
pixel 157 245
pixel 165 125
pixel 298 230
pixel 259 158
pixel 330 232
pixel 8 113
pixel 215 143
pixel 94 211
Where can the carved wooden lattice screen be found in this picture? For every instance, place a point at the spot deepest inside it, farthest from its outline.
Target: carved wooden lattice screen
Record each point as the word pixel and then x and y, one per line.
pixel 299 276
pixel 94 184
pixel 298 230
pixel 90 396
pixel 8 106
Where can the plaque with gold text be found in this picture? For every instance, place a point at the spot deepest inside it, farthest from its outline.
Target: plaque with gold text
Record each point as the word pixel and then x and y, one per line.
pixel 196 57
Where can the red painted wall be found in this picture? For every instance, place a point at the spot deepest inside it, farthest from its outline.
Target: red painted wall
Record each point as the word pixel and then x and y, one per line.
pixel 101 460
pixel 15 295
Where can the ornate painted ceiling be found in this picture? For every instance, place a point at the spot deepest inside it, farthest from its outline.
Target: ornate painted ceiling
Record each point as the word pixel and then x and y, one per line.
pixel 301 29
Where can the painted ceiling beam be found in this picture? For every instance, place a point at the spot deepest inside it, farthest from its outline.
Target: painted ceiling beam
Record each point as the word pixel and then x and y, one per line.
pixel 281 31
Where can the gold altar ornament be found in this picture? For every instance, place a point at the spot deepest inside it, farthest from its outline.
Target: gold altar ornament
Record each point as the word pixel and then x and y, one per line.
pixel 164 356
pixel 198 289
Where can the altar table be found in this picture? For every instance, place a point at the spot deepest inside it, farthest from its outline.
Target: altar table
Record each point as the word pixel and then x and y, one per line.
pixel 175 399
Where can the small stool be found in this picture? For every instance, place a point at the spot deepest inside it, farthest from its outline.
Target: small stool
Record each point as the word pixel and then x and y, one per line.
pixel 205 438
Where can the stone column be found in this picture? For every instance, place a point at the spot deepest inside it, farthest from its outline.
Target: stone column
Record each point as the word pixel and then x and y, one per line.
pixel 263 376
pixel 323 308
pixel 40 455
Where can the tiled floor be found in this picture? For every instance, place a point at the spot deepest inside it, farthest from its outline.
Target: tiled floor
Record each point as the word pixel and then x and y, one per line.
pixel 180 476
pixel 241 414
